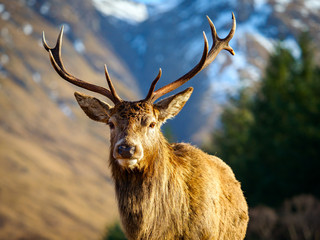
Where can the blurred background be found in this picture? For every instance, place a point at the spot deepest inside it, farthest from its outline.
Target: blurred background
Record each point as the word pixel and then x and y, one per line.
pixel 258 110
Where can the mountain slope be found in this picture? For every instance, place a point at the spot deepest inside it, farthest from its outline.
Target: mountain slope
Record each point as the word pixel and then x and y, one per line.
pixel 171 38
pixel 54 177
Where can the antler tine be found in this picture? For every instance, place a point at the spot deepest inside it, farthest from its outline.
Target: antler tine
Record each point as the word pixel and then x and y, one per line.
pixel 111 87
pixel 44 42
pixel 177 83
pixel 56 50
pixel 153 86
pixel 56 61
pixel 207 58
pixel 218 43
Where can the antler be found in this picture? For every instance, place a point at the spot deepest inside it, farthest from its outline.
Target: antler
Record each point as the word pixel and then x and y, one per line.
pixel 207 58
pixel 56 61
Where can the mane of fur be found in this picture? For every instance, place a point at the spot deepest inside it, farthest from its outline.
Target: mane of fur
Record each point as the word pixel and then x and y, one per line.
pixel 180 193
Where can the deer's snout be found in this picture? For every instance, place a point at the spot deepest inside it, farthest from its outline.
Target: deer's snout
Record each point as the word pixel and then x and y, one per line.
pixel 128 154
pixel 126 151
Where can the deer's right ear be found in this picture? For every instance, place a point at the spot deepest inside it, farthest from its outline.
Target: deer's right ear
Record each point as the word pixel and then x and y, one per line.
pixel 93 107
pixel 171 106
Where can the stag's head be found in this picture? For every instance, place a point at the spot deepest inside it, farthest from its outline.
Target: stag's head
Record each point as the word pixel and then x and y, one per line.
pixel 135 126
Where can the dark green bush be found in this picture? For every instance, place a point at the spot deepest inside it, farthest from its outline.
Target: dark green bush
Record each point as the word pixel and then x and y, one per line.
pixel 114 232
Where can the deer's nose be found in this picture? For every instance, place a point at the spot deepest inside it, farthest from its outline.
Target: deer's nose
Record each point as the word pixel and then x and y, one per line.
pixel 126 151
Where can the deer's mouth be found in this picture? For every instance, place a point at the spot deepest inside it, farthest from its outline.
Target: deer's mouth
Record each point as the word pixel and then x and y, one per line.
pixel 128 163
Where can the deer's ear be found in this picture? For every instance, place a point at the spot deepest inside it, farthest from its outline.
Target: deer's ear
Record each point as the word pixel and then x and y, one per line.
pixel 171 106
pixel 93 107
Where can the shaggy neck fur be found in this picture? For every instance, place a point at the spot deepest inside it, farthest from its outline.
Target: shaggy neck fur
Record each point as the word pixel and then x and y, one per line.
pixel 145 193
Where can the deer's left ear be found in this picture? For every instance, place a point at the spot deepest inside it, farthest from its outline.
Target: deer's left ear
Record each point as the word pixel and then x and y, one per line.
pixel 171 106
pixel 94 108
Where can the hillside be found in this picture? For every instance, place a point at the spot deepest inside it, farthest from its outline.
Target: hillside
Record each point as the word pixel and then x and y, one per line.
pixel 170 37
pixel 54 177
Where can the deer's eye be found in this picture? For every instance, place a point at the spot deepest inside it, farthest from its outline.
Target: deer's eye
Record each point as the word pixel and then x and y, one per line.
pixel 152 125
pixel 111 125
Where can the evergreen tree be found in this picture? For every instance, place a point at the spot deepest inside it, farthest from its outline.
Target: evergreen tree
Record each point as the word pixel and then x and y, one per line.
pixel 272 140
pixel 228 143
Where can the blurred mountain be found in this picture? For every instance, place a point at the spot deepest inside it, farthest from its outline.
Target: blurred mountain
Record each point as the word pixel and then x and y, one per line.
pixel 54 177
pixel 170 37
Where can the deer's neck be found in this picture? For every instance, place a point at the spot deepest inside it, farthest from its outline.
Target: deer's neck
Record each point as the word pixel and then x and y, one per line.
pixel 145 194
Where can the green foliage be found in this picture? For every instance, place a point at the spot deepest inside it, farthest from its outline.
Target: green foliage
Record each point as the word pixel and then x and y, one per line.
pixel 236 118
pixel 114 232
pixel 168 133
pixel 272 138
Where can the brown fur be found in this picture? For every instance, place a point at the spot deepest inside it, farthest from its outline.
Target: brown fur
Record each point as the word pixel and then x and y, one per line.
pixel 175 191
pixel 164 191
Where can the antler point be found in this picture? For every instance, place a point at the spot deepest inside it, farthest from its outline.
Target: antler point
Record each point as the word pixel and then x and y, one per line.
pixel 209 19
pixel 61 30
pixel 205 42
pixel 204 36
pixel 44 42
pixel 230 49
pixel 59 42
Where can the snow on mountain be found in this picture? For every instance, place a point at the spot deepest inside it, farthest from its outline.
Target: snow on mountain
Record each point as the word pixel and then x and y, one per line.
pixel 281 5
pixel 229 79
pixel 161 6
pixel 131 12
pixel 168 35
pixel 312 5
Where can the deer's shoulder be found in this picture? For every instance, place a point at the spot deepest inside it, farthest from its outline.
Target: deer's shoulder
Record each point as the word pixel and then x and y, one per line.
pixel 190 151
pixel 185 150
pixel 197 157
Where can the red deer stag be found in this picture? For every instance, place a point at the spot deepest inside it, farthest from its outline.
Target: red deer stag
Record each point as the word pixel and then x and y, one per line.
pixel 164 191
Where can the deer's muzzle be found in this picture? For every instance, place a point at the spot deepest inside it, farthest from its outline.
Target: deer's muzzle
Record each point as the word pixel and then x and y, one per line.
pixel 127 154
pixel 126 151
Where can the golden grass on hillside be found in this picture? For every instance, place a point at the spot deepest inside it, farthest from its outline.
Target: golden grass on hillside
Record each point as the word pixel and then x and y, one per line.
pixel 54 176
